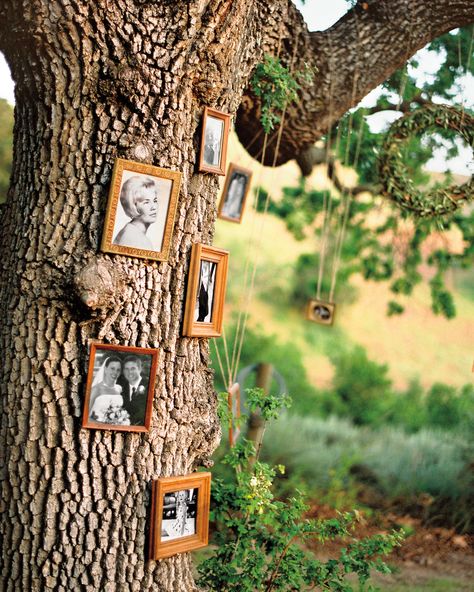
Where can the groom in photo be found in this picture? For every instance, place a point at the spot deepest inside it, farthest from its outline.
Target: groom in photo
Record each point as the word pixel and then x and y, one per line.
pixel 134 390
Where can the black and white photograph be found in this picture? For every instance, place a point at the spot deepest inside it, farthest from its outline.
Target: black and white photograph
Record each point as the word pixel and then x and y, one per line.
pixel 205 294
pixel 235 191
pixel 213 141
pixel 214 137
pixel 179 514
pixel 120 387
pixel 320 312
pixel 141 210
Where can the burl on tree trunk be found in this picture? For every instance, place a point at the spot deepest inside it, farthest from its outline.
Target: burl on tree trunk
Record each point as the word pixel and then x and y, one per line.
pixel 96 80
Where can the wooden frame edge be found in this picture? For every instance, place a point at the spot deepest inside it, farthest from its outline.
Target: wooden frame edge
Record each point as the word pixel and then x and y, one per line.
pixel 225 117
pixel 92 425
pixel 120 165
pixel 192 328
pixel 162 485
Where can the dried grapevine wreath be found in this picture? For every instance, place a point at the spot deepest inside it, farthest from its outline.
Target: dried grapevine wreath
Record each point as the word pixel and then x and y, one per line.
pixel 395 177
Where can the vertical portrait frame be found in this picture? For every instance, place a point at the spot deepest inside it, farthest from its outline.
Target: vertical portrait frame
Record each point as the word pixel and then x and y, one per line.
pixel 191 327
pixel 163 485
pixel 122 167
pixel 205 167
pixel 234 168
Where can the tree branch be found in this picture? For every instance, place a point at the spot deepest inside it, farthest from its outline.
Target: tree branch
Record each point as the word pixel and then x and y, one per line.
pixel 352 57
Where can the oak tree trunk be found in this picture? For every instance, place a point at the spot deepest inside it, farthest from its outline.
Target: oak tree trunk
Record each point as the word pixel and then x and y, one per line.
pixel 96 80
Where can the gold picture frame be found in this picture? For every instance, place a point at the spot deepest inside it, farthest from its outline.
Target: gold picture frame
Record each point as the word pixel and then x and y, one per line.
pixel 320 311
pixel 179 514
pixel 234 194
pixel 205 296
pixel 214 139
pixel 113 401
pixel 141 210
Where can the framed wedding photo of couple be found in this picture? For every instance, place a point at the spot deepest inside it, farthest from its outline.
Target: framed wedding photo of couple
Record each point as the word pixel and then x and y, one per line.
pixel 214 138
pixel 141 210
pixel 120 387
pixel 179 514
pixel 205 294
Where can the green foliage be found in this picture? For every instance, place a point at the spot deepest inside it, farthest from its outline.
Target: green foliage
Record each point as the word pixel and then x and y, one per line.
pixel 367 250
pixel 397 179
pixel 362 391
pixel 332 454
pixel 6 147
pixel 276 87
pixel 269 407
pixel 285 357
pixel 360 385
pixel 260 538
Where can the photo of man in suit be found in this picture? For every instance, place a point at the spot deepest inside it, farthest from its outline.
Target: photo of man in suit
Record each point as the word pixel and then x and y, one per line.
pixel 134 389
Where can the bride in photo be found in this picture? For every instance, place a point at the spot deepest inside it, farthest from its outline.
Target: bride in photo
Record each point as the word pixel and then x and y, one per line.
pixel 106 401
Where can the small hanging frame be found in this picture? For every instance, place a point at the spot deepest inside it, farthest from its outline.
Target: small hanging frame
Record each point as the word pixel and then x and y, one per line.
pixel 320 311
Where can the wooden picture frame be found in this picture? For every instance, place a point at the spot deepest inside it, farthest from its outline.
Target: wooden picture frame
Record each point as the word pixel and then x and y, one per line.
pixel 174 528
pixel 320 312
pixel 120 388
pixel 141 210
pixel 214 138
pixel 234 194
pixel 233 402
pixel 205 294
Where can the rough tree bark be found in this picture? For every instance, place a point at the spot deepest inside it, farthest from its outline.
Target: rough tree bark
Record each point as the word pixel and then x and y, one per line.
pixel 96 80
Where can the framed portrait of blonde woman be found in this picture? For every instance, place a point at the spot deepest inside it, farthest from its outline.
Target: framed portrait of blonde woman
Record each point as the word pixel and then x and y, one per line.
pixel 179 514
pixel 141 210
pixel 120 387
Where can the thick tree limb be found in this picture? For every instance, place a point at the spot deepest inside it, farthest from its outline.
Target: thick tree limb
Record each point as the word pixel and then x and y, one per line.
pixel 353 57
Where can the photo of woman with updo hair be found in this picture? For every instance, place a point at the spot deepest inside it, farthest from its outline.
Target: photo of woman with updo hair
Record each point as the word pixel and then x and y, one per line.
pixel 139 200
pixel 141 209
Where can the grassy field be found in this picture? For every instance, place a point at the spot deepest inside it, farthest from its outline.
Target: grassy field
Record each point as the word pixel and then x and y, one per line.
pixel 415 344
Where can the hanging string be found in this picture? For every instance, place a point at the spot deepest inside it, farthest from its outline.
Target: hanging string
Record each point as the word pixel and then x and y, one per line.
pixel 221 367
pixel 265 210
pixel 347 206
pixel 226 351
pixel 327 199
pixel 232 364
pixel 345 197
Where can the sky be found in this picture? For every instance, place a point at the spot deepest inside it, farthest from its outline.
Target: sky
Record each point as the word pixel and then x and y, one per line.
pixel 319 15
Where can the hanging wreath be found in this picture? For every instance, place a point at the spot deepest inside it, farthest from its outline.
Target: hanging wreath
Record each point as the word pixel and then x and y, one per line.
pixel 395 178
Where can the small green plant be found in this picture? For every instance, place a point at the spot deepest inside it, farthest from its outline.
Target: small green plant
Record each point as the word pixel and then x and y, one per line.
pixel 260 539
pixel 277 87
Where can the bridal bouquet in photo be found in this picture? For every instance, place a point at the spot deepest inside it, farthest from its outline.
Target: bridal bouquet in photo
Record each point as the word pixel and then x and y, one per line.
pixel 116 414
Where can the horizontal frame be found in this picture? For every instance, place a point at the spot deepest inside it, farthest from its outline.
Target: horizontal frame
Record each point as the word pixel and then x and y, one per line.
pixel 201 481
pixel 121 166
pixel 89 423
pixel 312 313
pixel 194 328
pixel 233 401
pixel 233 168
pixel 204 166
